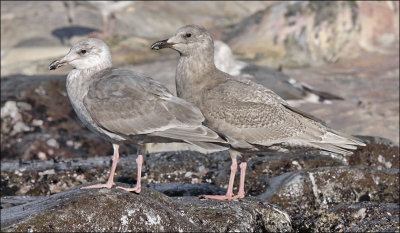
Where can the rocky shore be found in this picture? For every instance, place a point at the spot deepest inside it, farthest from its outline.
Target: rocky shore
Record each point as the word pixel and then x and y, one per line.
pixel 347 48
pixel 290 193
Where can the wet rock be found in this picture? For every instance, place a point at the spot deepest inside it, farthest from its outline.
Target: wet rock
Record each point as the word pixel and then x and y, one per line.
pixel 357 217
pixel 10 201
pixel 320 188
pixel 169 189
pixel 116 210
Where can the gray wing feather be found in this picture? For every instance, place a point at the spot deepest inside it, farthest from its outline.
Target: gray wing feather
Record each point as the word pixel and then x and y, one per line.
pixel 129 103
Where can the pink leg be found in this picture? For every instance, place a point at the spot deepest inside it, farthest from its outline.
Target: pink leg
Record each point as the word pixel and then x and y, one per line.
pixel 241 192
pixel 139 162
pixel 111 24
pixel 229 193
pixel 110 181
pixel 106 28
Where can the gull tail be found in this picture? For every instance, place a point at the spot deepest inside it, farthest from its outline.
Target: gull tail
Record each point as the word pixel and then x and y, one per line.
pixel 337 142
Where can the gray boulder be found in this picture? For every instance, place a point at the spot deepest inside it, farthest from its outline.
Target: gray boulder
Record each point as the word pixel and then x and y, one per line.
pixel 115 210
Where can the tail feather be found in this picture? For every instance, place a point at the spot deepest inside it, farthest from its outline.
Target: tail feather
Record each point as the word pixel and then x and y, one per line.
pixel 332 148
pixel 353 140
pixel 339 143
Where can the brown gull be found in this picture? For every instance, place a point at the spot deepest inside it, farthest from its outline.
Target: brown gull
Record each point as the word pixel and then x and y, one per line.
pixel 124 105
pixel 293 91
pixel 250 116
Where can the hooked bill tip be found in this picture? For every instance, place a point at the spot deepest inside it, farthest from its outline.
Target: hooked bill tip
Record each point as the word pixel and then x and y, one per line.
pixel 160 45
pixel 54 65
pixel 156 46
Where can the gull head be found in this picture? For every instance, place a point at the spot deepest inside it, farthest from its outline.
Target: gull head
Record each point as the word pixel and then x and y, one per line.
pixel 86 54
pixel 188 40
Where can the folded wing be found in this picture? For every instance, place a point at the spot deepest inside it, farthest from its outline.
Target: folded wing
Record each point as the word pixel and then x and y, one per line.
pixel 256 115
pixel 129 103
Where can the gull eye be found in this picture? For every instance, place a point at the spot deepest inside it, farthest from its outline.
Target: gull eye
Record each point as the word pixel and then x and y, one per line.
pixel 83 51
pixel 188 35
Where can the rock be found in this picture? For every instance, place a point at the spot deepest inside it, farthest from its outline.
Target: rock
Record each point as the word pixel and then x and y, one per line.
pixel 184 190
pixel 167 74
pixel 303 191
pixel 66 34
pixel 261 170
pixel 31 59
pixel 357 217
pixel 36 178
pixel 33 39
pixel 141 19
pixel 116 210
pixel 186 167
pixel 295 34
pixel 370 87
pixel 380 153
pixel 10 201
pixel 97 210
pixel 250 215
pixel 12 119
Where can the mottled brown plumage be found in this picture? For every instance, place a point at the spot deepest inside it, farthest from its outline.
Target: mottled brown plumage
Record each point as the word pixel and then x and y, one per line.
pixel 252 117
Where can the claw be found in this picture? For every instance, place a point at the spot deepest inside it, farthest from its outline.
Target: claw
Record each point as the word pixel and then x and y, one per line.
pixel 99 186
pixel 135 189
pixel 218 197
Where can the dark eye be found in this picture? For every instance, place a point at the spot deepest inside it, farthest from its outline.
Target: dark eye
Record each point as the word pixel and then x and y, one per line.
pixel 188 35
pixel 83 51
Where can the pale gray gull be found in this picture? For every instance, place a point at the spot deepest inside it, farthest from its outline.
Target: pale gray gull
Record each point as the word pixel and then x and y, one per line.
pixel 293 91
pixel 250 116
pixel 124 105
